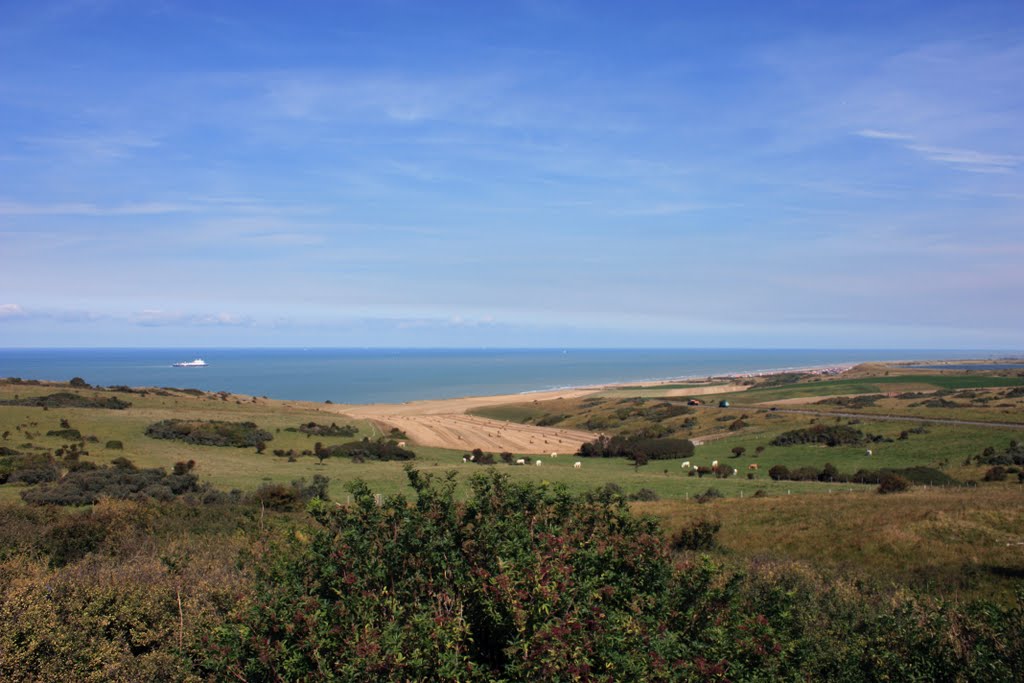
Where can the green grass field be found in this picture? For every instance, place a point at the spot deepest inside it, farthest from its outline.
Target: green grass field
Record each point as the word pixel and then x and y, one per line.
pixel 873 385
pixel 944 446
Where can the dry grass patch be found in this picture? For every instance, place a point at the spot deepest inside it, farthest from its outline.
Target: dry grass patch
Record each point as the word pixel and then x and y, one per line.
pixel 955 542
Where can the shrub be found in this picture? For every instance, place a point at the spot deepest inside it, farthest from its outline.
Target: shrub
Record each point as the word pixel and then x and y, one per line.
pixel 997 473
pixel 361 451
pixel 509 586
pixel 332 429
pixel 210 432
pixel 779 472
pixel 829 435
pixel 67 399
pixel 829 473
pixel 629 447
pixel 68 434
pixel 644 494
pixel 86 485
pixel 698 536
pixel 892 483
pixel 709 495
pixel 482 458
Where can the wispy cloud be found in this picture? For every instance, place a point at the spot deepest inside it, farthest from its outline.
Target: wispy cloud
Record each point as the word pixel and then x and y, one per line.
pixel 959 158
pixel 98 146
pixel 160 318
pixel 968 159
pixel 883 135
pixel 82 209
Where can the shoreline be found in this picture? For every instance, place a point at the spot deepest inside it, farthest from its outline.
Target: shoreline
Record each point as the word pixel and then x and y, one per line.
pixel 700 380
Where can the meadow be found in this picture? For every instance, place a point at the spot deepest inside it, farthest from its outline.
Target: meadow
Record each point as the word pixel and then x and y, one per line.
pixel 826 572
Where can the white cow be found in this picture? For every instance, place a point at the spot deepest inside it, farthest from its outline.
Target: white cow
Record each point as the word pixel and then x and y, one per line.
pixel 465 460
pixel 554 455
pixel 521 461
pixel 714 463
pixel 868 453
pixel 539 463
pixel 401 444
pixel 578 465
pixel 686 465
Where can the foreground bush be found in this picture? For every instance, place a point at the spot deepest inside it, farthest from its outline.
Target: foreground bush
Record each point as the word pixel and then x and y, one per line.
pixel 529 583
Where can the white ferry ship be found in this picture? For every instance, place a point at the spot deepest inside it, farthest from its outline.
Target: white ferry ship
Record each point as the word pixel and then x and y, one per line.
pixel 197 363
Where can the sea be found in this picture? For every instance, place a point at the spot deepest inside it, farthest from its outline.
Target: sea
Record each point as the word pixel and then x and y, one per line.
pixel 401 375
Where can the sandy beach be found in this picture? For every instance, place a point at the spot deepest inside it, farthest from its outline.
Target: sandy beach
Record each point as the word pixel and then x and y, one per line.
pixel 445 423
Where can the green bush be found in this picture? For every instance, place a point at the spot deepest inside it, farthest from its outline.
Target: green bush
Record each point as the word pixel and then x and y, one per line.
pixel 361 451
pixel 114 445
pixel 67 399
pixel 332 429
pixel 210 432
pixel 631 447
pixel 829 435
pixel 69 434
pixel 121 481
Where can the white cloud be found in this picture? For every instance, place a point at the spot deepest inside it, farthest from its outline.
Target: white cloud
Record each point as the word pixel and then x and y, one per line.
pixel 11 311
pixel 883 135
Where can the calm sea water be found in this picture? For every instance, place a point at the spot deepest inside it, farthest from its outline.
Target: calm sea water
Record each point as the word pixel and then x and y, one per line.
pixel 398 375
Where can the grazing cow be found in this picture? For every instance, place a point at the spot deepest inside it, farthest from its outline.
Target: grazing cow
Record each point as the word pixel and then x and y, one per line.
pixel 554 455
pixel 735 471
pixel 714 463
pixel 577 465
pixel 686 465
pixel 401 444
pixel 465 460
pixel 753 466
pixel 868 453
pixel 539 463
pixel 521 461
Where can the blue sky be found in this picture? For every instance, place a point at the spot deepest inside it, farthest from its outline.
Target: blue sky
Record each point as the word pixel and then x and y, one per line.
pixel 531 173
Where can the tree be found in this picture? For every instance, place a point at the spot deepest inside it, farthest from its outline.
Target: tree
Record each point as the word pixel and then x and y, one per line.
pixel 640 459
pixel 738 451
